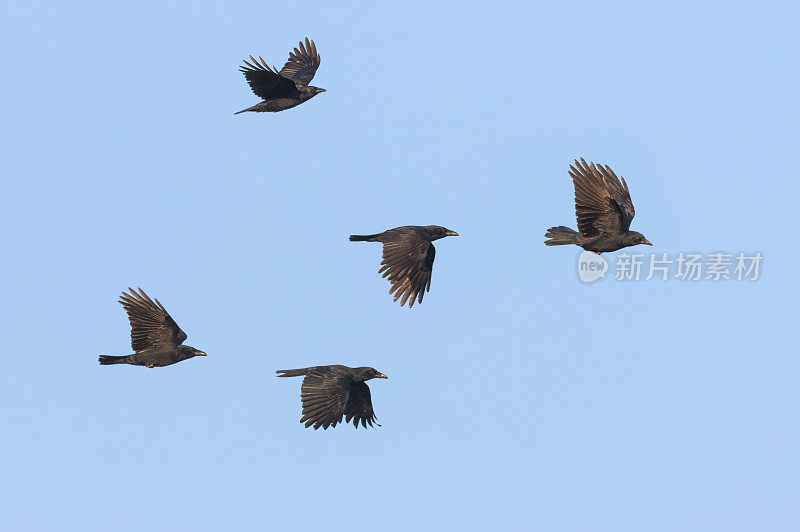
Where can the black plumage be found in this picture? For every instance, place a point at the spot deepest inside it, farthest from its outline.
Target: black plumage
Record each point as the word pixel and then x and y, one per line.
pixel 330 392
pixel 287 88
pixel 604 210
pixel 155 337
pixel 408 255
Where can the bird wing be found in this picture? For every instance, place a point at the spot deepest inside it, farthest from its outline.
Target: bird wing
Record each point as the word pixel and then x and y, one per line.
pixel 267 83
pixel 302 64
pixel 324 395
pixel 408 263
pixel 602 204
pixel 151 324
pixel 359 406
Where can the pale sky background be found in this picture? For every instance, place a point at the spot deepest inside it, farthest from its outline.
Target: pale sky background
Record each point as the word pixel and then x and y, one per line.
pixel 519 398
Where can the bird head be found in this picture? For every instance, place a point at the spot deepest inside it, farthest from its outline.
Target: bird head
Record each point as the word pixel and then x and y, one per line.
pixel 638 238
pixel 366 374
pixel 315 90
pixel 437 231
pixel 196 352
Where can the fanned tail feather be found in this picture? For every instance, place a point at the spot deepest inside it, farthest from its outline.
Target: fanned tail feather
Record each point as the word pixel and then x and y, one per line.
pixel 561 236
pixel 293 372
pixel 364 238
pixel 107 360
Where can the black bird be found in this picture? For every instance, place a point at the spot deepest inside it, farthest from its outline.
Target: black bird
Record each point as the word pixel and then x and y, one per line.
pixel 604 210
pixel 287 88
pixel 330 392
pixel 155 337
pixel 408 255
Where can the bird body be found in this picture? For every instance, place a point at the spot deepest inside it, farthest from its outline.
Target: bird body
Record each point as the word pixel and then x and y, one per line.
pixel 155 337
pixel 329 393
pixel 287 88
pixel 560 236
pixel 152 358
pixel 408 255
pixel 604 210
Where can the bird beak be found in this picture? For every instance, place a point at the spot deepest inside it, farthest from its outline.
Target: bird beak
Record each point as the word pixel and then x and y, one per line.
pixel 382 376
pixel 201 354
pixel 323 90
pixel 647 242
pixel 451 233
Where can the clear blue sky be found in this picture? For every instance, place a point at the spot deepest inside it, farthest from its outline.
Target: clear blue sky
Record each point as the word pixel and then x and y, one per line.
pixel 519 398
